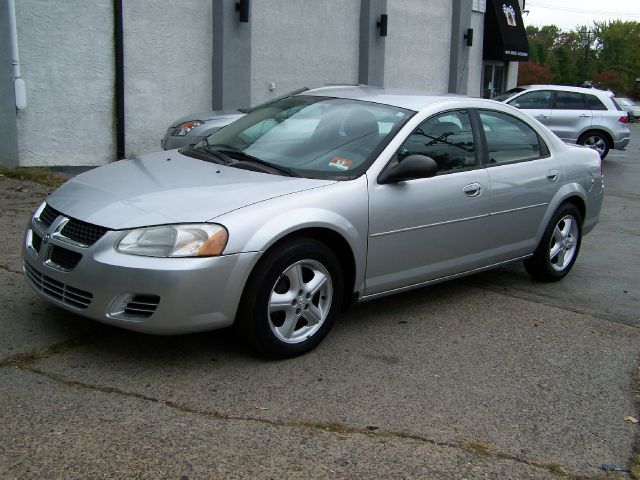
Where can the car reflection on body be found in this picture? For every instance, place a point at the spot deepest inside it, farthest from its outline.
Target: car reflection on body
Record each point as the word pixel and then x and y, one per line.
pixel 280 220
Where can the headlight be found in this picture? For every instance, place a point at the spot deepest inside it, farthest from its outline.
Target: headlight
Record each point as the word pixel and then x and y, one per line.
pixel 191 240
pixel 184 128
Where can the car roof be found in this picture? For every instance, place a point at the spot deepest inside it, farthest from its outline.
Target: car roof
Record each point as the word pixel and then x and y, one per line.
pixel 567 88
pixel 410 99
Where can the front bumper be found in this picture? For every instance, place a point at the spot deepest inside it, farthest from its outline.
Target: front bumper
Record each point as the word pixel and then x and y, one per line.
pixel 181 295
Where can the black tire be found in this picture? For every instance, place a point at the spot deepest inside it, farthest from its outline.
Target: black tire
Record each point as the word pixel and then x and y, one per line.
pixel 542 266
pixel 596 140
pixel 263 330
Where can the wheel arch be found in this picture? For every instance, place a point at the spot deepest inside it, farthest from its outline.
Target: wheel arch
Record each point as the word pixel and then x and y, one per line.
pixel 336 242
pixel 608 137
pixel 573 193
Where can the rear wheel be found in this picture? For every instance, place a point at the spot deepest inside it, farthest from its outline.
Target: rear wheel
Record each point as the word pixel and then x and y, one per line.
pixel 291 299
pixel 596 140
pixel 559 247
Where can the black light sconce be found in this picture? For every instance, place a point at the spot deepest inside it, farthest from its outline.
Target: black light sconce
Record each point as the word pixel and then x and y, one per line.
pixel 382 24
pixel 242 6
pixel 469 37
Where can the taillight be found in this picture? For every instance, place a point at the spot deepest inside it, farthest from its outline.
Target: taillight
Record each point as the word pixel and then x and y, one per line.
pixel 624 119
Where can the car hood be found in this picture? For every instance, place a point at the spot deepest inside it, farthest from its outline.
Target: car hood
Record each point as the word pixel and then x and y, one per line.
pixel 167 187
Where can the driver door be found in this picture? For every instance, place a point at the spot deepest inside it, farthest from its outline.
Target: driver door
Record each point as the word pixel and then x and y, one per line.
pixel 424 229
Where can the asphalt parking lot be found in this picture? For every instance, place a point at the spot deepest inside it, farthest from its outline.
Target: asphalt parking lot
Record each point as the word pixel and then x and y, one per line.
pixel 492 376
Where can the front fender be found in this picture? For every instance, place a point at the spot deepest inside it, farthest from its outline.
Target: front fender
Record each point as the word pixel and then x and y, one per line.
pixel 343 210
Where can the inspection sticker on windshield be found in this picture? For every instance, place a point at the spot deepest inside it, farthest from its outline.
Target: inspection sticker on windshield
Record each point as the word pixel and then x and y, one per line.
pixel 341 163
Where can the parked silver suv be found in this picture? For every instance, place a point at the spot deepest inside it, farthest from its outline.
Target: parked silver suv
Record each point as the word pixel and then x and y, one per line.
pixel 586 116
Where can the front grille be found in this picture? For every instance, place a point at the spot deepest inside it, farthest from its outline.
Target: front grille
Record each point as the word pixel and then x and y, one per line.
pixel 48 215
pixel 36 241
pixel 71 296
pixel 142 306
pixel 82 232
pixel 64 258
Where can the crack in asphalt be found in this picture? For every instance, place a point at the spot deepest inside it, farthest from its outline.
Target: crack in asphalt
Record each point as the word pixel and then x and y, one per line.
pixel 8 269
pixel 516 294
pixel 329 427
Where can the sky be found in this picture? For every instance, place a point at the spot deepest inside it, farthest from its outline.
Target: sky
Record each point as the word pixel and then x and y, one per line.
pixel 569 14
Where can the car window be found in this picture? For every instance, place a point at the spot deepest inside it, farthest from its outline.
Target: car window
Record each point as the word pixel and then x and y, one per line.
pixel 447 138
pixel 311 136
pixel 537 99
pixel 569 101
pixel 510 139
pixel 595 103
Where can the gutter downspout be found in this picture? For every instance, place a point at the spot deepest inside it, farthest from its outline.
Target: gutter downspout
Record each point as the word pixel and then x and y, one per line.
pixel 118 33
pixel 18 82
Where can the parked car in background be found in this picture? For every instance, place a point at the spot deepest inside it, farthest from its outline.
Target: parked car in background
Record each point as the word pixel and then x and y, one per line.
pixel 632 108
pixel 584 116
pixel 278 221
pixel 193 128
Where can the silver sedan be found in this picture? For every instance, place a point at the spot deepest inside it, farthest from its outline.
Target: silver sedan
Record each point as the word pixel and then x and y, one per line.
pixel 279 221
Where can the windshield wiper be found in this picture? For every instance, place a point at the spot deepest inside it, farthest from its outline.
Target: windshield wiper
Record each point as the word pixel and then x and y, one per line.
pixel 207 155
pixel 245 157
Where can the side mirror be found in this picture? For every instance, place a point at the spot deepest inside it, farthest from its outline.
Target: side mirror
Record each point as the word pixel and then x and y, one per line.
pixel 410 168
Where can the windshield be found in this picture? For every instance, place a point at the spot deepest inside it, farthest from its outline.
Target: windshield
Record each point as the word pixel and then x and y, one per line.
pixel 309 136
pixel 509 93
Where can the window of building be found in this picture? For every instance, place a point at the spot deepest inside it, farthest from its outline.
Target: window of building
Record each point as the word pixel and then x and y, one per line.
pixel 509 139
pixel 447 138
pixel 479 6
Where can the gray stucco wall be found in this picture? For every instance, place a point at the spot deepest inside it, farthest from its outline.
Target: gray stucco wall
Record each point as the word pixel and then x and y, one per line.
pixel 66 62
pixel 418 45
pixel 168 67
pixel 474 87
pixel 303 43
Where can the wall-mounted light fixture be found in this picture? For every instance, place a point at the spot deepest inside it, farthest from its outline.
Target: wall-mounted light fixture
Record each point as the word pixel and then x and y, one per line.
pixel 242 6
pixel 382 24
pixel 469 37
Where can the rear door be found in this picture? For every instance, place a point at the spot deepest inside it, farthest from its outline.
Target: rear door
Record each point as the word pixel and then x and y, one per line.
pixel 523 176
pixel 570 116
pixel 536 103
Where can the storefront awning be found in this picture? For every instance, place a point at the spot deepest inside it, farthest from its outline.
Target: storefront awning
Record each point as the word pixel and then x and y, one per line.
pixel 505 38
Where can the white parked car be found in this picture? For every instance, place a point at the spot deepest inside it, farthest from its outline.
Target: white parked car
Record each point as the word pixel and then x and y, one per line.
pixel 584 116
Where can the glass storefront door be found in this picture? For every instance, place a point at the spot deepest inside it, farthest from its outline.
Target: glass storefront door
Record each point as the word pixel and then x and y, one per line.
pixel 493 80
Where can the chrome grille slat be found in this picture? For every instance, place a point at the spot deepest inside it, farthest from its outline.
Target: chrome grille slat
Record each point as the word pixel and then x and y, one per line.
pixel 65 259
pixel 48 215
pixel 82 232
pixel 57 290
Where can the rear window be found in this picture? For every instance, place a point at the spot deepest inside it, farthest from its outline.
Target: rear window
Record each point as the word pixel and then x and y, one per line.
pixel 569 101
pixel 616 104
pixel 595 103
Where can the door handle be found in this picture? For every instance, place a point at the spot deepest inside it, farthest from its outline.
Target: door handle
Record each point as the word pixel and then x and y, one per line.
pixel 472 190
pixel 584 115
pixel 543 115
pixel 553 175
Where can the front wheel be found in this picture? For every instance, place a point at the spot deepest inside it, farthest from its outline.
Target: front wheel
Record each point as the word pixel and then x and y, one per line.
pixel 597 141
pixel 291 299
pixel 559 246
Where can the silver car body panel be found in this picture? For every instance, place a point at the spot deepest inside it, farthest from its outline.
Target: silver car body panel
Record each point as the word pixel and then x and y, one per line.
pixel 400 236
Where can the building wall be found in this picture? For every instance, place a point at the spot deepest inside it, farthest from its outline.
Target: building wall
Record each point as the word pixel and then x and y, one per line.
pixel 474 87
pixel 66 56
pixel 168 67
pixel 301 43
pixel 418 45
